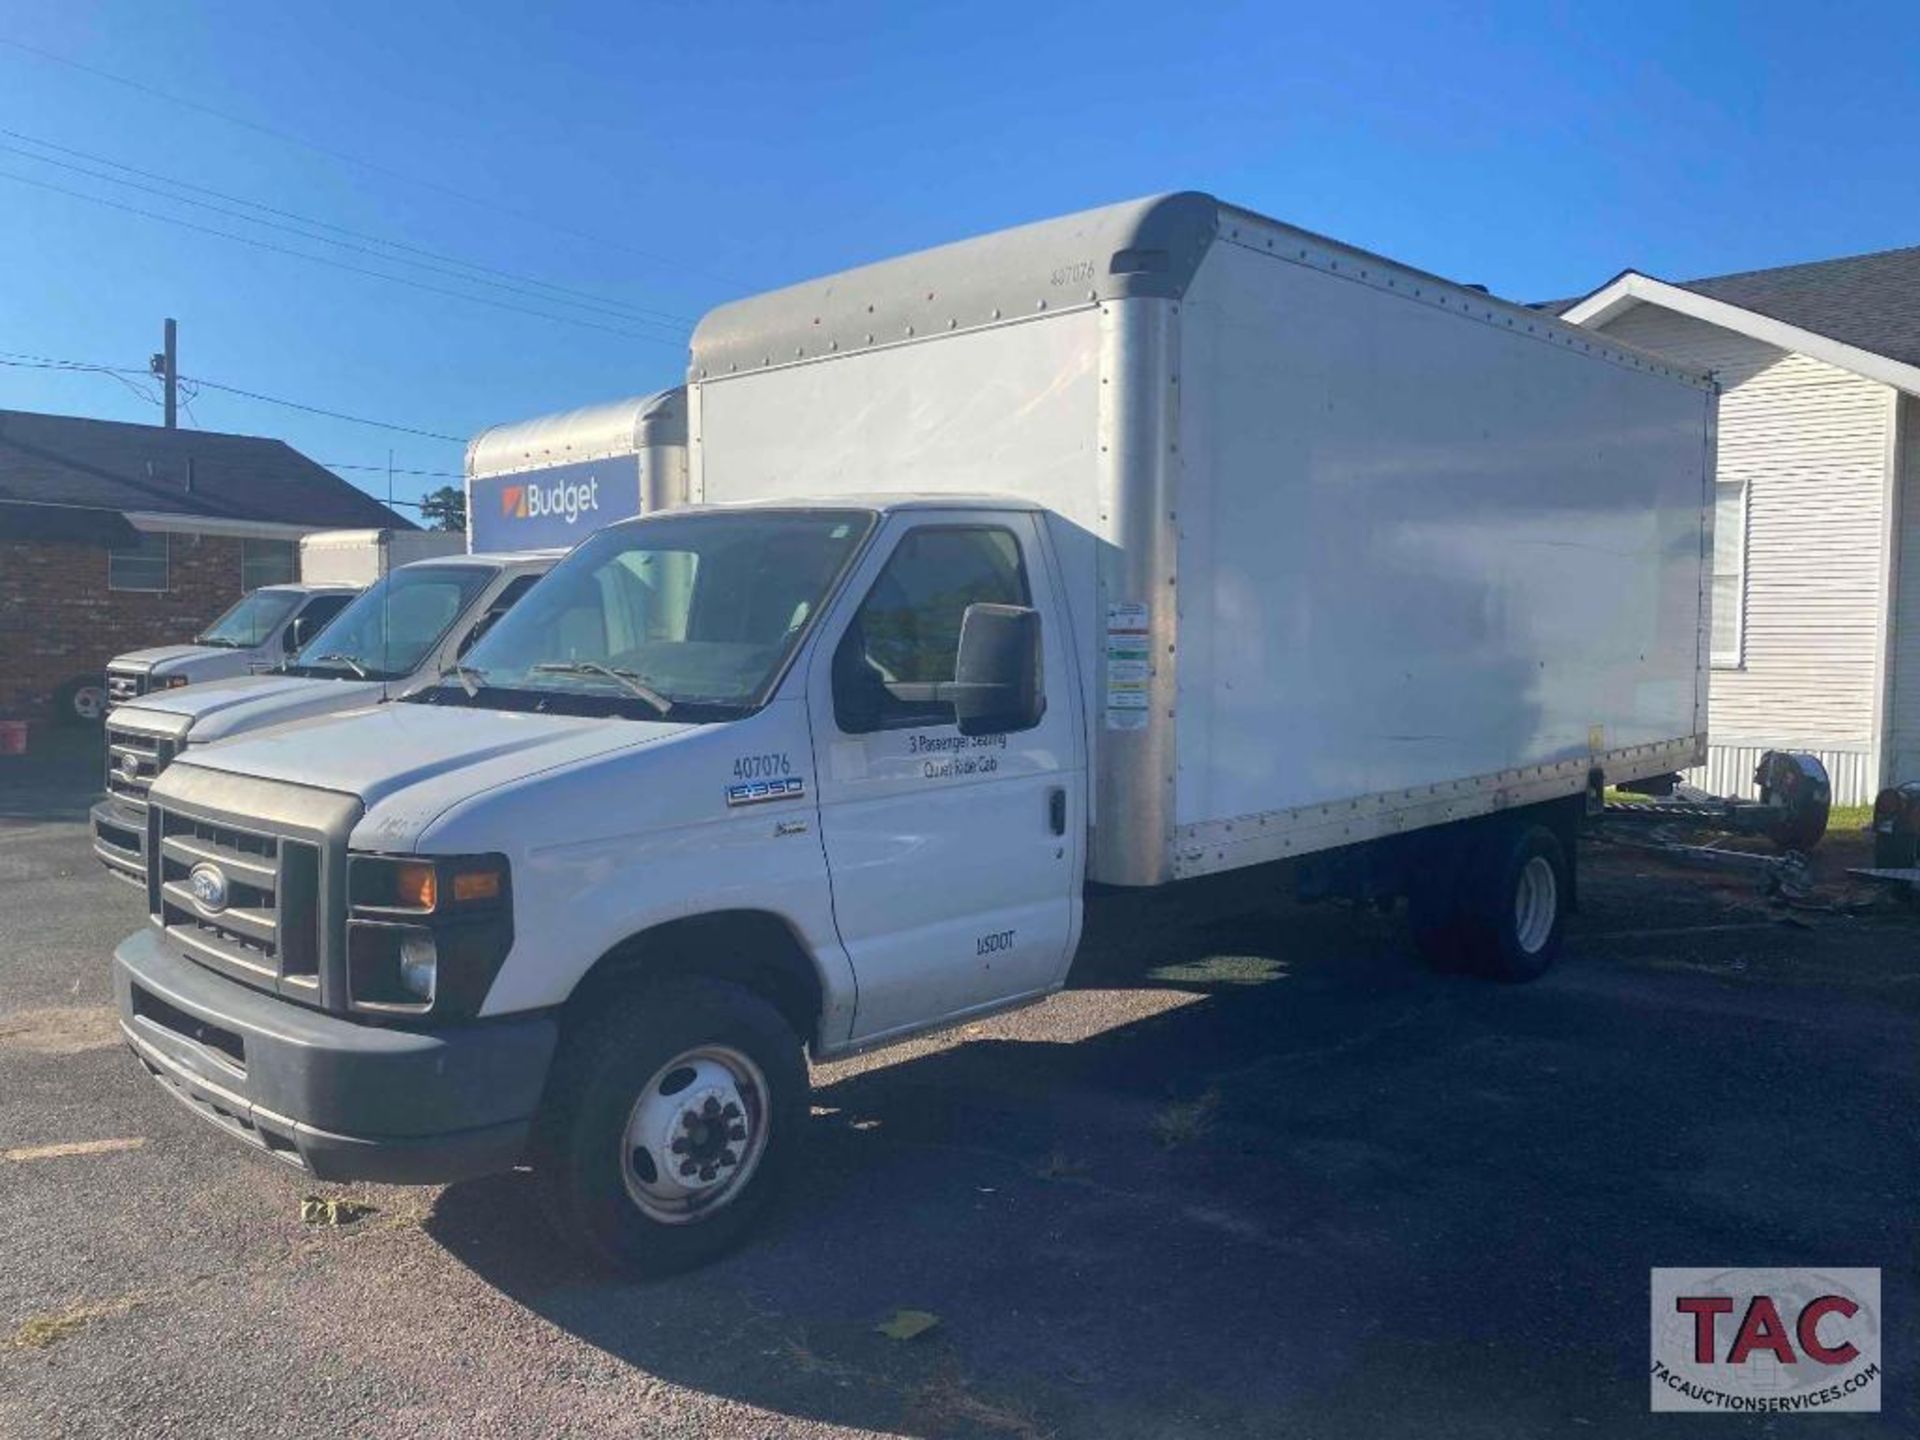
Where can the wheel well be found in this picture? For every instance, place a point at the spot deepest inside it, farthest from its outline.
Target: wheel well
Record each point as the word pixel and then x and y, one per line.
pixel 751 948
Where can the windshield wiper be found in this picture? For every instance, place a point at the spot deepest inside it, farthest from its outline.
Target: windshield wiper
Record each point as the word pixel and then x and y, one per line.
pixel 346 660
pixel 471 677
pixel 628 678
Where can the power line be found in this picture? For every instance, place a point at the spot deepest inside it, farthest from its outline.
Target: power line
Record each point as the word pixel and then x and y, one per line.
pixel 431 474
pixel 206 384
pixel 198 383
pixel 561 294
pixel 290 138
pixel 337 264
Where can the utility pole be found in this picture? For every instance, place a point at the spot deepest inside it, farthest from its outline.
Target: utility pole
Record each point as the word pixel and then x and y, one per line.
pixel 167 366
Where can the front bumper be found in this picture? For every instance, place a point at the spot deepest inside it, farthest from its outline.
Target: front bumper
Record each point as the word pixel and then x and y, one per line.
pixel 120 840
pixel 340 1100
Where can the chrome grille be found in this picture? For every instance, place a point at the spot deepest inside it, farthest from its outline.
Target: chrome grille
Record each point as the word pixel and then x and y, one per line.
pixel 266 932
pixel 134 760
pixel 125 685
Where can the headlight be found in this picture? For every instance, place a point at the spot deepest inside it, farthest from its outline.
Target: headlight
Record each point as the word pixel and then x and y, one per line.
pixel 426 936
pixel 419 958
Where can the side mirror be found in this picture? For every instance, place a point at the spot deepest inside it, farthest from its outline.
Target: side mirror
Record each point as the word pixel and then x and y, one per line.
pixel 997 687
pixel 297 634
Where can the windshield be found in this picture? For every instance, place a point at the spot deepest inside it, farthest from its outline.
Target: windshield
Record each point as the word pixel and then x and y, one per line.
pixel 691 615
pixel 392 627
pixel 252 620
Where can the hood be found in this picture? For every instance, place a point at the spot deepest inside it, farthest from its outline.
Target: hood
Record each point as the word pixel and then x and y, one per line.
pixel 451 750
pixel 216 709
pixel 164 655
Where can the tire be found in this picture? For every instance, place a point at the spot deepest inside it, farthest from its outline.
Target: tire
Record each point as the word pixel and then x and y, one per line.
pixel 82 701
pixel 667 1077
pixel 1514 903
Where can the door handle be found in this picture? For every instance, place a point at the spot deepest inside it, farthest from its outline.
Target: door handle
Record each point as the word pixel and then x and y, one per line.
pixel 1057 809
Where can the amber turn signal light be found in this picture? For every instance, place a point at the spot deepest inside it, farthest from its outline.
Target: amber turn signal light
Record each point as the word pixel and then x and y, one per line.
pixel 476 885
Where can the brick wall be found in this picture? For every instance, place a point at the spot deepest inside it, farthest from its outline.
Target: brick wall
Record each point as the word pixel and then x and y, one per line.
pixel 58 619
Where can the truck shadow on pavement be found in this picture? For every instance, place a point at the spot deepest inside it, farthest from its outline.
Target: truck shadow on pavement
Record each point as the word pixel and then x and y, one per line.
pixel 1278 1177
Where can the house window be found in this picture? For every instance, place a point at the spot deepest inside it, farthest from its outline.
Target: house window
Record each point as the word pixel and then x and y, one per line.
pixel 140 567
pixel 1729 571
pixel 265 562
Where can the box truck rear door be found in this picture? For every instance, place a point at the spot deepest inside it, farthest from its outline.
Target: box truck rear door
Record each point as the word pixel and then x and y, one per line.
pixel 954 857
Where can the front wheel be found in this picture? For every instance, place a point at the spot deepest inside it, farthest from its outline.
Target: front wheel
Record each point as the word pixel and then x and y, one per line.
pixel 82 701
pixel 672 1116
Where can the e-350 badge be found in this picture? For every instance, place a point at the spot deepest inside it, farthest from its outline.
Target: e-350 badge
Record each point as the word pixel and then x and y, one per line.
pixel 758 792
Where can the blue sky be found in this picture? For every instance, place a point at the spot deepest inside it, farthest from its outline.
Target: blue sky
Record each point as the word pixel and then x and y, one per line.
pixel 685 154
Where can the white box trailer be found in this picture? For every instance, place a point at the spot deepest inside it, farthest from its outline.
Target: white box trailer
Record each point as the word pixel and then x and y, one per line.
pixel 545 482
pixel 360 557
pixel 1351 549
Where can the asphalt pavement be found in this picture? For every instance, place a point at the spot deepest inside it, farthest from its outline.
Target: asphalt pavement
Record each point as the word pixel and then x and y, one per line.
pixel 1256 1173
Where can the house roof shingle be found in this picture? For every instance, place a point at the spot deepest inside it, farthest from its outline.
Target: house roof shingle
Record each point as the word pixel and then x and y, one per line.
pixel 113 465
pixel 1871 302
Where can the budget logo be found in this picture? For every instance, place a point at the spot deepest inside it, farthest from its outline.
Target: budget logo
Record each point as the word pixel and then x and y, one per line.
pixel 1766 1341
pixel 513 501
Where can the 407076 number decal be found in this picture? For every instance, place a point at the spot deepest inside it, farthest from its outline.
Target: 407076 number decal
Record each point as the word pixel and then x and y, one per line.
pixel 762 767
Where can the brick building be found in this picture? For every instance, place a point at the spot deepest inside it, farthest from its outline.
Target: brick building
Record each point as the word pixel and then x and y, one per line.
pixel 117 536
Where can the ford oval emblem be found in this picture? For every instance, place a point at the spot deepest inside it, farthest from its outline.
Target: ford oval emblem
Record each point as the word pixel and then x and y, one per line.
pixel 130 766
pixel 208 886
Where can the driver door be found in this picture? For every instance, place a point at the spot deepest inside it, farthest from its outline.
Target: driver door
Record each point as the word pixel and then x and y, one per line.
pixel 953 858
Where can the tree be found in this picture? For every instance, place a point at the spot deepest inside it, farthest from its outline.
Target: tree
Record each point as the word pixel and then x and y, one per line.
pixel 444 509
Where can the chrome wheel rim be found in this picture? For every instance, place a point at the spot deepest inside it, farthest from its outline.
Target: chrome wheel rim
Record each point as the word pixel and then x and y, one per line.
pixel 695 1135
pixel 89 702
pixel 1536 904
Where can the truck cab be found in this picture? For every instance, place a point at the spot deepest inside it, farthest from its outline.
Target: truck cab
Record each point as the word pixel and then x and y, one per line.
pixel 732 784
pixel 257 633
pixel 402 631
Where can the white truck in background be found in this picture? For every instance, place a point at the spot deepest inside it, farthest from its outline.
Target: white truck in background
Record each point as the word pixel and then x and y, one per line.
pixel 266 626
pixel 553 479
pixel 399 633
pixel 257 632
pixel 1147 543
pixel 360 557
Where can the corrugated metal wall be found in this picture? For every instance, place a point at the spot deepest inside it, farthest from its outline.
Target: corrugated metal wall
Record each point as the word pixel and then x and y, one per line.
pixel 1729 771
pixel 1811 441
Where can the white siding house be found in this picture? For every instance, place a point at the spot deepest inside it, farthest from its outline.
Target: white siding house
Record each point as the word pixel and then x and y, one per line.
pixel 1816 571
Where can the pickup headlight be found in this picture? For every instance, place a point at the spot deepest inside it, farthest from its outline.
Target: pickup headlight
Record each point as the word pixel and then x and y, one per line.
pixel 426 935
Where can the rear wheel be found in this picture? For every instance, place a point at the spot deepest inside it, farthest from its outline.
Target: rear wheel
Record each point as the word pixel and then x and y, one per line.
pixel 1514 915
pixel 672 1116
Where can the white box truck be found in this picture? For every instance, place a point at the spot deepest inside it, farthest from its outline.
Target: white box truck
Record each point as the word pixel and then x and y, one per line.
pixel 360 557
pixel 257 632
pixel 1137 545
pixel 265 626
pixel 552 479
pixel 402 631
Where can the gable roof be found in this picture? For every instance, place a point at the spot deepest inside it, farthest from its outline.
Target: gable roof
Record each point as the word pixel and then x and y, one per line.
pixel 1868 301
pixel 146 469
pixel 1861 312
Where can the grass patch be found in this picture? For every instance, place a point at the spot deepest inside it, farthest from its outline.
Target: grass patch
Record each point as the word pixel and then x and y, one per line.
pixel 37 1332
pixel 1181 1122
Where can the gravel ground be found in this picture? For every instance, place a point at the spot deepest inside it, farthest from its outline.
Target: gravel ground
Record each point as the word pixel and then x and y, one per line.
pixel 1257 1173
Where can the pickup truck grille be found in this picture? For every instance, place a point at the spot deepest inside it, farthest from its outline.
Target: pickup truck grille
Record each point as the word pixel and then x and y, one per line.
pixel 262 926
pixel 134 760
pixel 125 685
